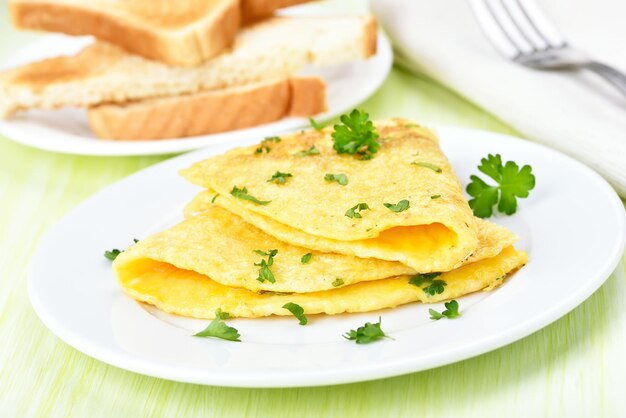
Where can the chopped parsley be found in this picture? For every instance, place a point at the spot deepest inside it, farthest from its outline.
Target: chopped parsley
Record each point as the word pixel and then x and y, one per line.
pixel 431 166
pixel 451 312
pixel 433 286
pixel 306 258
pixel 435 196
pixel 513 182
pixel 271 139
pixel 315 125
pixel 338 282
pixel 218 329
pixel 279 178
pixel 264 145
pixel 243 194
pixel 401 206
pixel 264 272
pixel 366 334
pixel 215 197
pixel 112 254
pixel 307 152
pixel 297 311
pixel 355 211
pixel 356 135
pixel 339 178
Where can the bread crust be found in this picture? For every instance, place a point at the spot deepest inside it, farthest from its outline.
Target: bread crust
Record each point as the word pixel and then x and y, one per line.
pixel 254 10
pixel 189 45
pixel 209 112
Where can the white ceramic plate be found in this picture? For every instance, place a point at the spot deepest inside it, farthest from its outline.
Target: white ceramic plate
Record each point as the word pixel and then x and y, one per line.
pixel 67 130
pixel 572 225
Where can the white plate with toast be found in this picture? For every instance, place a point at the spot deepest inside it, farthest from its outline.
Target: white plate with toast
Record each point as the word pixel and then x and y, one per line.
pixel 67 130
pixel 74 291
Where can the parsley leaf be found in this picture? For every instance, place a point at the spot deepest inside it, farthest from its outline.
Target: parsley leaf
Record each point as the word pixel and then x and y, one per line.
pixel 264 272
pixel 433 286
pixel 398 207
pixel 339 178
pixel 243 194
pixel 307 152
pixel 338 282
pixel 355 211
pixel 435 196
pixel 264 145
pixel 279 178
pixel 451 312
pixel 317 126
pixel 433 167
pixel 112 254
pixel 513 182
pixel 297 311
pixel 366 334
pixel 218 329
pixel 215 197
pixel 356 135
pixel 306 258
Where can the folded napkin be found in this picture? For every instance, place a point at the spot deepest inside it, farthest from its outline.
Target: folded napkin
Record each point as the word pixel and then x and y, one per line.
pixel 576 113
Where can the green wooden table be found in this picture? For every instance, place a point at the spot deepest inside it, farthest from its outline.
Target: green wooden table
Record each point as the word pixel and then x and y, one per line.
pixel 571 368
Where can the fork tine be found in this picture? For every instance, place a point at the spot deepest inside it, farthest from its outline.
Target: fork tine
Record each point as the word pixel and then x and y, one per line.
pixel 499 28
pixel 523 23
pixel 540 24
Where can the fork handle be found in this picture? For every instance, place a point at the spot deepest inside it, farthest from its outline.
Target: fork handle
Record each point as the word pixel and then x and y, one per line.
pixel 610 74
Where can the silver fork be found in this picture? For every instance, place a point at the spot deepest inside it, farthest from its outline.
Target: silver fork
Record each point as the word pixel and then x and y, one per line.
pixel 520 31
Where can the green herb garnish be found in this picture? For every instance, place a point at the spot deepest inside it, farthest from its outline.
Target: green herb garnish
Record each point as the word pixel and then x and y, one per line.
pixel 338 282
pixel 398 207
pixel 112 254
pixel 279 178
pixel 512 182
pixel 306 258
pixel 262 148
pixel 355 211
pixel 366 334
pixel 215 197
pixel 218 329
pixel 243 194
pixel 264 272
pixel 339 178
pixel 317 126
pixel 433 167
pixel 307 152
pixel 297 311
pixel 435 196
pixel 451 312
pixel 434 286
pixel 356 135
pixel 271 139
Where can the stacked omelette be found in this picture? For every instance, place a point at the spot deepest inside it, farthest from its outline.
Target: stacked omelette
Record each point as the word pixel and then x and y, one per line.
pixel 331 246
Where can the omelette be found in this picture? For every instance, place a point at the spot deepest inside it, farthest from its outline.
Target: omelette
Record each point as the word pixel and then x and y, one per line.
pixel 435 232
pixel 209 261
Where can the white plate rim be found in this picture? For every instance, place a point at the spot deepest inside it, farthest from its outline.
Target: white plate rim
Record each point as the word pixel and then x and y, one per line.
pixel 366 372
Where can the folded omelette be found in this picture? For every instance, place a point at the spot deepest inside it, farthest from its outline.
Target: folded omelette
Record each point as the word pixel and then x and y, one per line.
pixel 437 232
pixel 209 261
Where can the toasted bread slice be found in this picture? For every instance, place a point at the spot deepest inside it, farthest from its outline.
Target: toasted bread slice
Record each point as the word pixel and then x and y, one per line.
pixel 210 112
pixel 275 48
pixel 181 32
pixel 253 10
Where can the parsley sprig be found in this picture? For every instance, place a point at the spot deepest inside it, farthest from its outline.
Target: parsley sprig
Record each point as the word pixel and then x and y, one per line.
pixel 264 272
pixel 243 194
pixel 451 312
pixel 279 177
pixel 297 311
pixel 112 254
pixel 356 135
pixel 513 182
pixel 355 211
pixel 366 334
pixel 433 287
pixel 218 329
pixel 401 206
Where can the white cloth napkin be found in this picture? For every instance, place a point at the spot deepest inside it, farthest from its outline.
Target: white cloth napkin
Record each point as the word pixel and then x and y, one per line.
pixel 576 113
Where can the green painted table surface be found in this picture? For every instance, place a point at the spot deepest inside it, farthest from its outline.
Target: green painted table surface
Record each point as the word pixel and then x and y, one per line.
pixel 573 367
